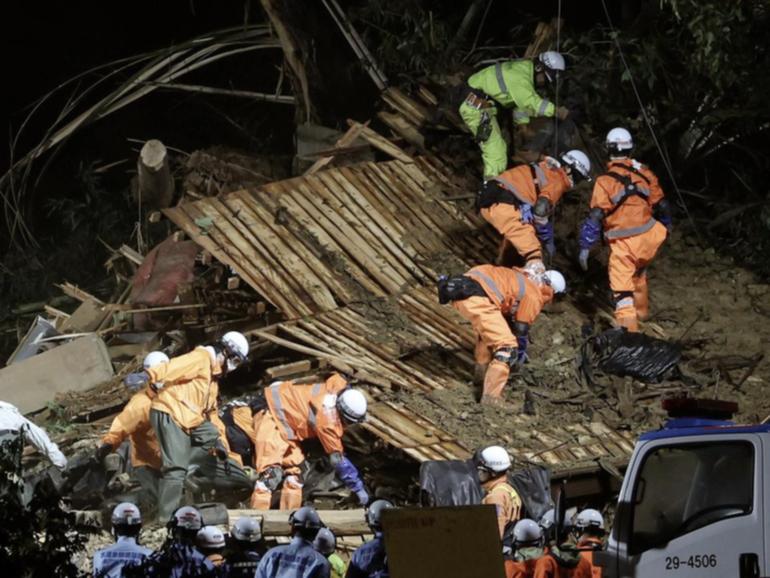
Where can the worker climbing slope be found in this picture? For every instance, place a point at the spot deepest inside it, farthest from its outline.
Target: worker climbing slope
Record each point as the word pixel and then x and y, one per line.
pixel 134 423
pixel 511 84
pixel 184 412
pixel 626 200
pixel 519 203
pixel 490 298
pixel 492 465
pixel 297 412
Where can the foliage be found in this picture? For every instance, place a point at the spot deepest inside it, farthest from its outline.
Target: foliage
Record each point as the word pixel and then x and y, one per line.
pixel 37 537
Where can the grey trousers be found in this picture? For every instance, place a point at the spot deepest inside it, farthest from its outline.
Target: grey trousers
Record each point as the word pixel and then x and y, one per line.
pixel 149 480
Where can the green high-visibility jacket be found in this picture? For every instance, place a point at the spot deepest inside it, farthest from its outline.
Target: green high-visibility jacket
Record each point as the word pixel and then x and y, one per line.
pixel 512 84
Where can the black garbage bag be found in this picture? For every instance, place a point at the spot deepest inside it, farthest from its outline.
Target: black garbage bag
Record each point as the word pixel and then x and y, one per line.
pixel 449 483
pixel 622 353
pixel 533 484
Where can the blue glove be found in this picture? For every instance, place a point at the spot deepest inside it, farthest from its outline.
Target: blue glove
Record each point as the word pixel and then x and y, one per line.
pixel 526 213
pixel 583 259
pixel 136 381
pixel 665 220
pixel 590 233
pixel 521 353
pixel 349 475
pixel 363 497
pixel 544 231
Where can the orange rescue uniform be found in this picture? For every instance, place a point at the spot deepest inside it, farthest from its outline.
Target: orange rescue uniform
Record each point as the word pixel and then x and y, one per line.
pixel 134 423
pixel 509 294
pixel 549 567
pixel 523 566
pixel 500 494
pixel 588 546
pixel 633 235
pixel 296 412
pixel 527 183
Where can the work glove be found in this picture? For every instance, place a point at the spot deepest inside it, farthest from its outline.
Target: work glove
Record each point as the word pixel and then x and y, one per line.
pixel 521 351
pixel 363 497
pixel 590 232
pixel 349 475
pixel 583 259
pixel 526 213
pixel 136 381
pixel 544 231
pixel 102 452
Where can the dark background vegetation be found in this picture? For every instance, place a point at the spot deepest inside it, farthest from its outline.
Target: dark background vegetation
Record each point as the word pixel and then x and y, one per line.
pixel 700 68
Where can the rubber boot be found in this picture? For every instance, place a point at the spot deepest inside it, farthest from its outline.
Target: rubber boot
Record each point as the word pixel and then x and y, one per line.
pixel 291 494
pixel 626 317
pixel 260 499
pixel 494 382
pixel 641 298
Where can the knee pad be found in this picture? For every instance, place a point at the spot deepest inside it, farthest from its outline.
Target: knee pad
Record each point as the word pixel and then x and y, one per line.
pixel 271 477
pixel 506 355
pixel 624 299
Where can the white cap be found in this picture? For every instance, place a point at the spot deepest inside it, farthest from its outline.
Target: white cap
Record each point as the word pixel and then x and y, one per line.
pixel 154 358
pixel 619 139
pixel 352 404
pixel 126 514
pixel 579 161
pixel 495 459
pixel 210 537
pixel 188 518
pixel 526 531
pixel 553 60
pixel 246 529
pixel 556 281
pixel 589 518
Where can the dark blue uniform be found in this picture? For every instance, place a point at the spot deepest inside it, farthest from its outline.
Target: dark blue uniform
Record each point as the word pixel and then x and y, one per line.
pixel 369 560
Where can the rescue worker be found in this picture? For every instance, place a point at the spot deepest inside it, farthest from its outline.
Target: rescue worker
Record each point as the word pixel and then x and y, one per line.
pixel 13 424
pixel 625 201
pixel 184 415
pixel 589 532
pixel 326 543
pixel 511 84
pixel 211 543
pixel 562 562
pixel 492 465
pixel 126 525
pixel 519 202
pixel 297 559
pixel 246 548
pixel 297 412
pixel 238 417
pixel 178 557
pixel 488 296
pixel 370 559
pixel 134 423
pixel 527 549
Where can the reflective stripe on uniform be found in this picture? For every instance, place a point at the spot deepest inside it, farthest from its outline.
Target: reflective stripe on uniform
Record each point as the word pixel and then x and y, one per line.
pixel 543 106
pixel 623 233
pixel 619 197
pixel 280 414
pixel 522 286
pixel 488 280
pixel 311 418
pixel 500 79
pixel 519 115
pixel 511 189
pixel 541 178
pixel 625 302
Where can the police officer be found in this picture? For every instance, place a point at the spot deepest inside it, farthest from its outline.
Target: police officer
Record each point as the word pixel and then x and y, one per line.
pixel 298 559
pixel 246 548
pixel 370 560
pixel 126 525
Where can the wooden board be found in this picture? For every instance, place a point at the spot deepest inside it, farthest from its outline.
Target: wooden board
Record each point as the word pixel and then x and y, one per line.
pixel 276 522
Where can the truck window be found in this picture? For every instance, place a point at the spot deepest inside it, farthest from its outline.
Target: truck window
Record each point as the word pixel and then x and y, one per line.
pixel 685 487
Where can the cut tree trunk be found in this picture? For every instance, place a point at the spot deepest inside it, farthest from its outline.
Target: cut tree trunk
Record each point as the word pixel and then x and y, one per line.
pixel 156 185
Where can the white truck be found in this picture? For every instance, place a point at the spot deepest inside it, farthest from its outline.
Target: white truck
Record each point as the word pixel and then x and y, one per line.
pixel 693 501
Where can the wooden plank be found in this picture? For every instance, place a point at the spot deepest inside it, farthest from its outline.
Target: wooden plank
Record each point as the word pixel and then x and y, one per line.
pixel 77 293
pixel 32 383
pixel 345 140
pixel 402 127
pixel 380 142
pixel 288 369
pixel 296 269
pixel 276 522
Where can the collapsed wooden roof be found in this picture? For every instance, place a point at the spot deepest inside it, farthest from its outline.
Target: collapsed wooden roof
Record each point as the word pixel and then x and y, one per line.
pixel 350 256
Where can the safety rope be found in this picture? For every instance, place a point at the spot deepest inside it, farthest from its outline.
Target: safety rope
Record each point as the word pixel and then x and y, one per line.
pixel 647 121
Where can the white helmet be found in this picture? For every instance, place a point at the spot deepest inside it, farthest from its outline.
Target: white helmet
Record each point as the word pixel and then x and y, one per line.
pixel 126 514
pixel 555 280
pixel 210 538
pixel 578 161
pixel 188 518
pixel 552 60
pixel 325 542
pixel 619 141
pixel 496 459
pixel 236 344
pixel 154 358
pixel 246 530
pixel 352 404
pixel 527 531
pixel 374 513
pixel 589 518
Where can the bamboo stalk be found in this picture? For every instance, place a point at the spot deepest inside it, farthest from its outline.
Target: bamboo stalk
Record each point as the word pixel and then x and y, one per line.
pixel 259 96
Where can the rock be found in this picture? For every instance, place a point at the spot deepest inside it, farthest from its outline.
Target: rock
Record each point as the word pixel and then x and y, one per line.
pixel 757 289
pixel 557 338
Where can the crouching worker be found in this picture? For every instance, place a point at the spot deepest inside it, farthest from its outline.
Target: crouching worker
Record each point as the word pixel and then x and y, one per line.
pixel 184 415
pixel 488 297
pixel 297 412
